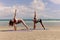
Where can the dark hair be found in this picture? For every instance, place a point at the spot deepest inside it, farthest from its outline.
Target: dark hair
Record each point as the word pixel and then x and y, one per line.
pixel 11 23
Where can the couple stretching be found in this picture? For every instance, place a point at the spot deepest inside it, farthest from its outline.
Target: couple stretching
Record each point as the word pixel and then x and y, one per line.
pixel 15 21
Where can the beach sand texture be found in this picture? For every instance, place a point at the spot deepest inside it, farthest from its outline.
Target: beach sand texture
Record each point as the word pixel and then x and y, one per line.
pixel 7 33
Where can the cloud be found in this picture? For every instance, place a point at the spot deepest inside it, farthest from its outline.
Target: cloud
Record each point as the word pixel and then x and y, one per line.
pixel 38 4
pixel 22 10
pixel 8 11
pixel 25 11
pixel 55 1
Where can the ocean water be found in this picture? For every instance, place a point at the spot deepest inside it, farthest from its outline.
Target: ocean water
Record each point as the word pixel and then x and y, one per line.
pixel 29 22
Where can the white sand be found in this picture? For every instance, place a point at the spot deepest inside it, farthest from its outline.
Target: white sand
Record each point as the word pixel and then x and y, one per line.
pixel 51 34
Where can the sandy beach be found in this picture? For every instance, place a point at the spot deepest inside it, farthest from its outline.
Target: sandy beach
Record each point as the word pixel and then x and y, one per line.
pixel 7 33
pixel 28 14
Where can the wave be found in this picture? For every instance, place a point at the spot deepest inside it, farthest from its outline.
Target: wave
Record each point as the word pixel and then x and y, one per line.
pixel 51 21
pixel 44 20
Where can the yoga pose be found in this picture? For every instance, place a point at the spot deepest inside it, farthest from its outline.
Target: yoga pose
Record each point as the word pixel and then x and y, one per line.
pixel 36 21
pixel 15 21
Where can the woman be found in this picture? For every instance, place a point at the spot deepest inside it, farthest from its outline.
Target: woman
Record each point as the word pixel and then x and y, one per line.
pixel 15 21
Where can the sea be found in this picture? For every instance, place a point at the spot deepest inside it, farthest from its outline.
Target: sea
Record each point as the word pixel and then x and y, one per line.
pixel 29 22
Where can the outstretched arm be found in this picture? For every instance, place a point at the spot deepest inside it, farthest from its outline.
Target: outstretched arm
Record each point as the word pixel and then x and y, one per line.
pixel 34 19
pixel 15 13
pixel 14 25
pixel 14 20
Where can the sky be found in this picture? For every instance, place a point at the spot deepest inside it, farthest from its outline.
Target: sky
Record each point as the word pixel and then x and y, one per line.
pixel 45 9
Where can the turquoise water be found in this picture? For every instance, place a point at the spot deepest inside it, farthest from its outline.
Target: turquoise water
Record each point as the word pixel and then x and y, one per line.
pixel 29 22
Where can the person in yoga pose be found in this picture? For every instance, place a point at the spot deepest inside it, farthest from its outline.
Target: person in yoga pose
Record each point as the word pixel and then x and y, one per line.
pixel 36 21
pixel 15 21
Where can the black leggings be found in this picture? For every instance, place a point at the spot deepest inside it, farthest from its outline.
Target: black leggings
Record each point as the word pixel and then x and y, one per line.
pixel 39 20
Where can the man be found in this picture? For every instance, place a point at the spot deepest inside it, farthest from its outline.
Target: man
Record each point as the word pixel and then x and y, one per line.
pixel 36 21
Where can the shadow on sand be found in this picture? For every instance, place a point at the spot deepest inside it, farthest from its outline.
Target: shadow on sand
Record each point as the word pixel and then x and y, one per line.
pixel 22 30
